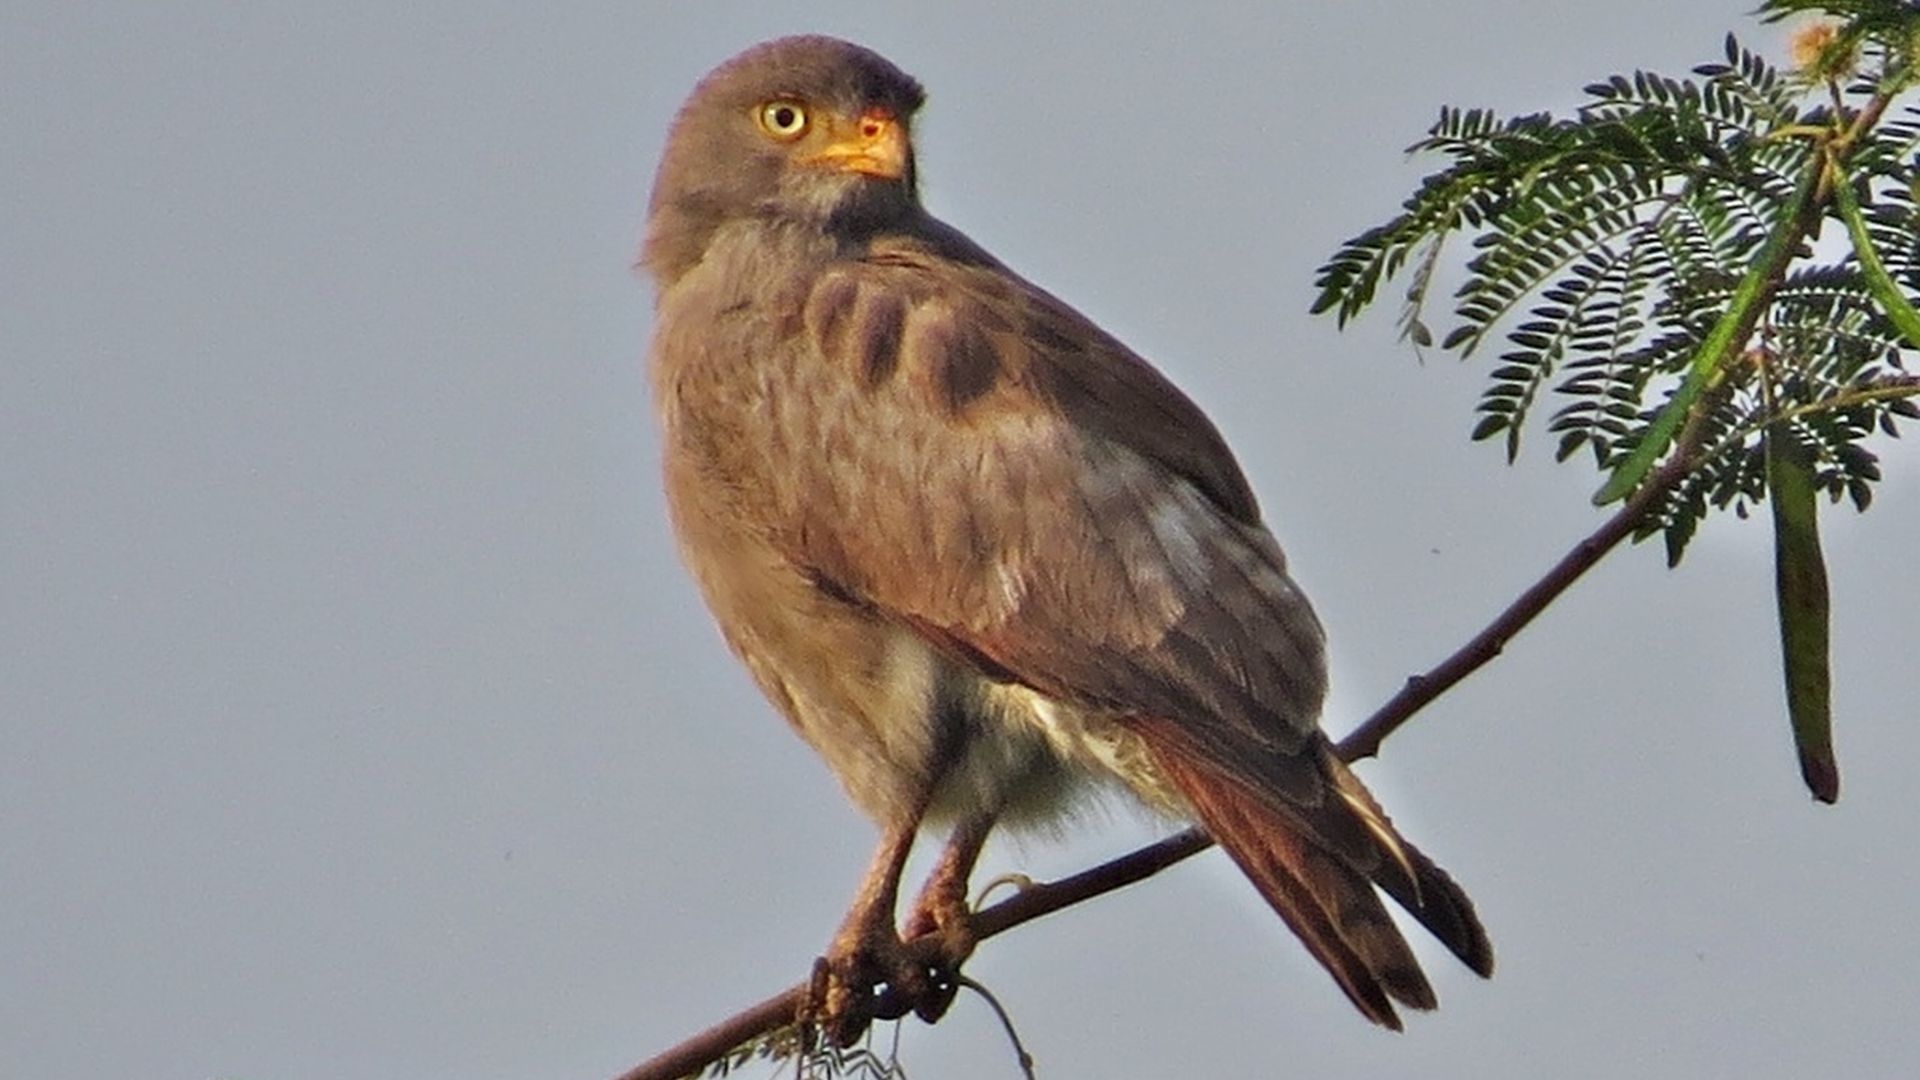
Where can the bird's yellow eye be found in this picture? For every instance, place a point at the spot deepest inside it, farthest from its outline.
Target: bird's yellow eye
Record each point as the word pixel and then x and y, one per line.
pixel 784 120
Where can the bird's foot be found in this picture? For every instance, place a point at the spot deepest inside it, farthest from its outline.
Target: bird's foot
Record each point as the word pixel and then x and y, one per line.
pixel 875 976
pixel 940 935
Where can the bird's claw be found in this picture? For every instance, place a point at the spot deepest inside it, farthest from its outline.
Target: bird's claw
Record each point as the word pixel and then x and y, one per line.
pixel 940 938
pixel 879 978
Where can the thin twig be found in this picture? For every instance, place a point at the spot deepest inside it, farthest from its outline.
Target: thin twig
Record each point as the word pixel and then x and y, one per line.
pixel 1364 741
pixel 712 1044
pixel 1889 388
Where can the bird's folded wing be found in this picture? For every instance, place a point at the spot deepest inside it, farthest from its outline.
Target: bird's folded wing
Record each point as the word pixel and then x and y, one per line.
pixel 986 465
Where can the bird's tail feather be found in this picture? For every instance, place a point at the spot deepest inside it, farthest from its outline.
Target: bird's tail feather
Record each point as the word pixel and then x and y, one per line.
pixel 1427 892
pixel 1327 901
pixel 1332 909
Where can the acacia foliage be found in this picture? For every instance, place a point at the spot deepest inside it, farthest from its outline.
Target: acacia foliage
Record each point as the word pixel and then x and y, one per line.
pixel 1604 247
pixel 1716 272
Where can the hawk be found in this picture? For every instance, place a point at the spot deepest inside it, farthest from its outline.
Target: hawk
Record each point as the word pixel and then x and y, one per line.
pixel 979 554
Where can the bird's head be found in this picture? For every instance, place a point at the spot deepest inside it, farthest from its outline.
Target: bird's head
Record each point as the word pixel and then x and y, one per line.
pixel 810 129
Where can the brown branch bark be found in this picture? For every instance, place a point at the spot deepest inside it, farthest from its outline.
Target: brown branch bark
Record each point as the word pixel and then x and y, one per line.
pixel 1364 741
pixel 713 1044
pixel 1025 906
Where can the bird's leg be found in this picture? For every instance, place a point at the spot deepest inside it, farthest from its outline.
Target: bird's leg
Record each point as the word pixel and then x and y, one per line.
pixel 942 904
pixel 940 929
pixel 866 950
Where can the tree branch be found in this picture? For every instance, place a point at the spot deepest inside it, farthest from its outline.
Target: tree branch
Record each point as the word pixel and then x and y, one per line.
pixel 702 1050
pixel 1028 904
pixel 1364 741
pixel 1034 901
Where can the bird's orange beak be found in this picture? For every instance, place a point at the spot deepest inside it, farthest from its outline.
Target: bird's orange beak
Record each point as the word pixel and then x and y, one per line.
pixel 875 144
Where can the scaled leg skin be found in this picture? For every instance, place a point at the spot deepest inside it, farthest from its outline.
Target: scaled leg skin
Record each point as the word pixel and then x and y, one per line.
pixel 940 929
pixel 866 951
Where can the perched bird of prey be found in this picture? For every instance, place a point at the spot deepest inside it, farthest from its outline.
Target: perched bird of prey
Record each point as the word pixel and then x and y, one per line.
pixel 976 551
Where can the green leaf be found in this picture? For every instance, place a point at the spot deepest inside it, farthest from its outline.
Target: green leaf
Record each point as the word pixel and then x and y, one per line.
pixel 1800 580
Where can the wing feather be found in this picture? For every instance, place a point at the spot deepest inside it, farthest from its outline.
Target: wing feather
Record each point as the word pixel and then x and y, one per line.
pixel 1002 470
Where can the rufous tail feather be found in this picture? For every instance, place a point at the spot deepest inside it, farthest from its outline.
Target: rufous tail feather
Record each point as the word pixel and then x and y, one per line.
pixel 1326 899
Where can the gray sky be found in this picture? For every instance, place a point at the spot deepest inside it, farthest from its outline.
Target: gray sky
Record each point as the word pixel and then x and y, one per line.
pixel 359 721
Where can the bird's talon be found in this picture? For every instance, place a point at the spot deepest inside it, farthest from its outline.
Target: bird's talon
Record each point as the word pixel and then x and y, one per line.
pixel 929 973
pixel 882 978
pixel 841 998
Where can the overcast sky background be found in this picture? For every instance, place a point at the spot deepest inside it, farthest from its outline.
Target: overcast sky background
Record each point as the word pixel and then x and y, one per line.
pixel 356 719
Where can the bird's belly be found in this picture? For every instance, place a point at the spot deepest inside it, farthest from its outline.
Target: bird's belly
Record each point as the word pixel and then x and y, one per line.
pixel 898 723
pixel 901 726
